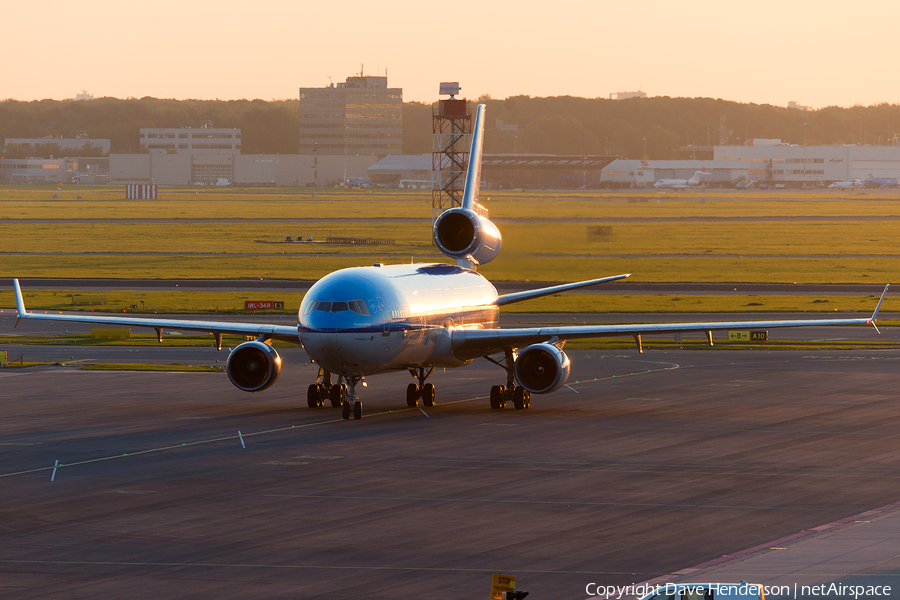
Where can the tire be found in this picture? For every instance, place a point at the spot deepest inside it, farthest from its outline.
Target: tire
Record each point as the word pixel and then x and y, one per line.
pixel 336 394
pixel 412 395
pixel 428 394
pixel 357 410
pixel 496 397
pixel 312 396
pixel 335 403
pixel 519 398
pixel 345 411
pixel 527 399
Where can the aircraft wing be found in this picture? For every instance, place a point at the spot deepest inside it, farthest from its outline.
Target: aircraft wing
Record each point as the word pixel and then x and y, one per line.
pixel 470 343
pixel 539 293
pixel 217 328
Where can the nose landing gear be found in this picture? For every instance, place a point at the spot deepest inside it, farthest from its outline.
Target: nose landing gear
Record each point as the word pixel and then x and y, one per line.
pixel 351 404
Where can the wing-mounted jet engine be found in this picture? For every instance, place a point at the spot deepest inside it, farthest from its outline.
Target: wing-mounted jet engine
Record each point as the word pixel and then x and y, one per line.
pixel 542 368
pixel 253 366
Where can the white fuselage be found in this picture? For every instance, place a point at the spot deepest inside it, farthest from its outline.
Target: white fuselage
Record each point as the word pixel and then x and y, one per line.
pixel 367 320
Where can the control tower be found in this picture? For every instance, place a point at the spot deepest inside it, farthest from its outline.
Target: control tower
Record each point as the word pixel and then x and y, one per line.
pixel 451 142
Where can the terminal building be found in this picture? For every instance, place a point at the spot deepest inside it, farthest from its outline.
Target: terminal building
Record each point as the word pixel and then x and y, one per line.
pixel 360 116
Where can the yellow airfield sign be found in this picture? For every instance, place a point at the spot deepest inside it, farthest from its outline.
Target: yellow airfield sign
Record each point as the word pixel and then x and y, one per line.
pixel 748 336
pixel 501 584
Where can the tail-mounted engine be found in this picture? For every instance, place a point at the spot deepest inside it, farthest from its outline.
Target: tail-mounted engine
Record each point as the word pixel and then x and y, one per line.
pixel 465 234
pixel 542 368
pixel 253 366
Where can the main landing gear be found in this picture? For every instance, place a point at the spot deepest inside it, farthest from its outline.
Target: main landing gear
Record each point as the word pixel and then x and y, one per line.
pixel 501 394
pixel 422 390
pixel 323 390
pixel 339 394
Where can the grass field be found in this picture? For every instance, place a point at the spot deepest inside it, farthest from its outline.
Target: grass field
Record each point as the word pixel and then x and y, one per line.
pixel 669 237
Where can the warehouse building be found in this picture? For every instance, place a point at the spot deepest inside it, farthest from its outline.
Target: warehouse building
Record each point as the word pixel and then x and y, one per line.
pixel 88 171
pixel 360 116
pixel 499 171
pixel 80 143
pixel 236 169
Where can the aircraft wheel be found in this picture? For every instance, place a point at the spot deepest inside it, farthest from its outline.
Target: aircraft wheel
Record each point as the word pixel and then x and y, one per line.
pixel 357 410
pixel 345 411
pixel 312 396
pixel 336 394
pixel 335 402
pixel 412 395
pixel 527 399
pixel 497 397
pixel 428 394
pixel 519 398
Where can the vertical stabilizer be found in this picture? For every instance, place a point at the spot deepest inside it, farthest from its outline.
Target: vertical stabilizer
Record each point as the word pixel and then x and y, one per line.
pixel 473 175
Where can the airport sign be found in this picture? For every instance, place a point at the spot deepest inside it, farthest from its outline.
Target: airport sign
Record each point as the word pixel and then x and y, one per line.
pixel 500 584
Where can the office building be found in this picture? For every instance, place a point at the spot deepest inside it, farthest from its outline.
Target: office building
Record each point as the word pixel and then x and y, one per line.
pixel 360 116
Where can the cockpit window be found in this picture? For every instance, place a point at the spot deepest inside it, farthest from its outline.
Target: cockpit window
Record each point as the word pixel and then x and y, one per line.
pixel 357 306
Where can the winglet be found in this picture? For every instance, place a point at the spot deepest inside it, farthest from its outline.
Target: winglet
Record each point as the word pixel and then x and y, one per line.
pixel 20 302
pixel 883 294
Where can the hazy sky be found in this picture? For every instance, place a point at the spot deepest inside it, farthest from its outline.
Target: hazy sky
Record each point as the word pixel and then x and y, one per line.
pixel 818 53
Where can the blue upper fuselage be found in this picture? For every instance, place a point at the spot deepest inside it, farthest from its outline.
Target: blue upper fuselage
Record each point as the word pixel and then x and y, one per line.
pixel 398 297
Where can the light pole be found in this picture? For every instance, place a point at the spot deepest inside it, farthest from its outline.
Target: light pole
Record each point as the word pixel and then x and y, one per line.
pixel 805 134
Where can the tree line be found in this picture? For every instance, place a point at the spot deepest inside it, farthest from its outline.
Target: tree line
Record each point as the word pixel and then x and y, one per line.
pixel 656 128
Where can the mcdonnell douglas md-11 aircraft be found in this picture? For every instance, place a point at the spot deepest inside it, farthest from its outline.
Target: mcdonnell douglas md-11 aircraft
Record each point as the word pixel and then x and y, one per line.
pixel 366 320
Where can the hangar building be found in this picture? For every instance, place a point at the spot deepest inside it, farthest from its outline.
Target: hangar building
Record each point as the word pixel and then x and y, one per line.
pixel 644 173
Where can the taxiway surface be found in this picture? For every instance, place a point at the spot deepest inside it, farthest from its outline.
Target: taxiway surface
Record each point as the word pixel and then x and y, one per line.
pixel 648 464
